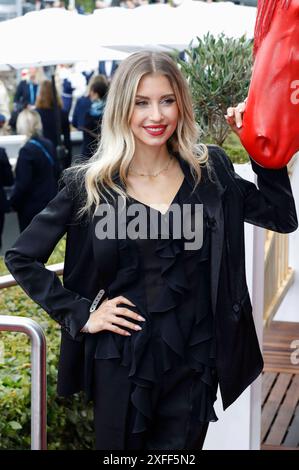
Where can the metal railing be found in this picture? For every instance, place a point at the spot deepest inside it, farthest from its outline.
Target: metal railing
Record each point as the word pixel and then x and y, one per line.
pixel 279 276
pixel 38 375
pixel 38 363
pixel 9 281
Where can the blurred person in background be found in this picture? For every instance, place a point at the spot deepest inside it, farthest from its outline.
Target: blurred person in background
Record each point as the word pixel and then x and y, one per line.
pixel 65 86
pixel 4 101
pixel 25 94
pixel 4 127
pixel 45 108
pixel 36 170
pixel 108 68
pixel 70 84
pixel 81 107
pixel 27 89
pixel 102 4
pixel 88 114
pixel 6 179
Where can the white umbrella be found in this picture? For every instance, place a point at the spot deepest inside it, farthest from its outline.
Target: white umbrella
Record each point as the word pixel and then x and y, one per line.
pixel 129 29
pixel 54 36
pixel 162 27
pixel 48 37
pixel 161 24
pixel 216 18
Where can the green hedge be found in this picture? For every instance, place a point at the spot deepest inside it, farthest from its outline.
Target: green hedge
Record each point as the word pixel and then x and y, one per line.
pixel 234 149
pixel 69 420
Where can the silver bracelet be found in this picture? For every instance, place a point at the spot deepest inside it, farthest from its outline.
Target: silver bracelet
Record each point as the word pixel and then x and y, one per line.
pixel 96 300
pixel 93 307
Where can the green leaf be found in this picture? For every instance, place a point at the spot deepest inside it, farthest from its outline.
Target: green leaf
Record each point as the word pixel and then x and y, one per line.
pixel 14 425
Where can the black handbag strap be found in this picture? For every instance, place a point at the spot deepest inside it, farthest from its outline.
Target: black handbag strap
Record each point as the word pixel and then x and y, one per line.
pixel 43 149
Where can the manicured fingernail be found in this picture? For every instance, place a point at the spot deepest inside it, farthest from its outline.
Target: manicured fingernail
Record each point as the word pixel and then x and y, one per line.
pixel 137 327
pixel 141 318
pixel 128 334
pixel 239 125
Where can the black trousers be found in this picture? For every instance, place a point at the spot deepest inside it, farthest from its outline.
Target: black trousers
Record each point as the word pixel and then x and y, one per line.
pixel 174 427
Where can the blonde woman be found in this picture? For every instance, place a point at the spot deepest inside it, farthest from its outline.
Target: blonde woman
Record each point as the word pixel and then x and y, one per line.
pixel 154 309
pixel 36 170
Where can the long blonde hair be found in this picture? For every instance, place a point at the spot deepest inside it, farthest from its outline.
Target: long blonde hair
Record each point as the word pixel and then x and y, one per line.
pixel 116 147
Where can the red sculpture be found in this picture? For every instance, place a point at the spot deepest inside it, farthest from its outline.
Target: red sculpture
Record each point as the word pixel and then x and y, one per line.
pixel 270 131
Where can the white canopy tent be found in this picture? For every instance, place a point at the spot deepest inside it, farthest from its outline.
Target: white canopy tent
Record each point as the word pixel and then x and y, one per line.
pixel 54 36
pixel 216 18
pixel 49 37
pixel 160 25
pixel 154 26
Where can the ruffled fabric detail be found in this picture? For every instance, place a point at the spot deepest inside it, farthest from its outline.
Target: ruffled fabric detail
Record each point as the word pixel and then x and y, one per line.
pixel 178 328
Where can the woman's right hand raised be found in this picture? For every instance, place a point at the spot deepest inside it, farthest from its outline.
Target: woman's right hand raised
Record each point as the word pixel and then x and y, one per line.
pixel 109 317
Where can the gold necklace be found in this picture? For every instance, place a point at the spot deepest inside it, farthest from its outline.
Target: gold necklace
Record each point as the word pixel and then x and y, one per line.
pixel 154 174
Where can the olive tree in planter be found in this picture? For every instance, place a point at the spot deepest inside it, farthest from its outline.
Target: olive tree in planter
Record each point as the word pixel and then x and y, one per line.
pixel 218 71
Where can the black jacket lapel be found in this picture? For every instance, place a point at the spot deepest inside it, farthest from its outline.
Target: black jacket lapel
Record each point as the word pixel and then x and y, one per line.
pixel 210 194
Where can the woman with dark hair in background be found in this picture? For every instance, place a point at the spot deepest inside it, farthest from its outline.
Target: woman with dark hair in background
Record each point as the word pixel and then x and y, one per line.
pixel 6 179
pixel 45 107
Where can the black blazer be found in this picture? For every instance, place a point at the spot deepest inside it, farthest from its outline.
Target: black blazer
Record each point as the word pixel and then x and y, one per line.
pixel 22 94
pixel 50 131
pixel 36 178
pixel 91 264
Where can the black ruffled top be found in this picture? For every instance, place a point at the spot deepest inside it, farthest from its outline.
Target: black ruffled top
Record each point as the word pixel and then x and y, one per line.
pixel 170 286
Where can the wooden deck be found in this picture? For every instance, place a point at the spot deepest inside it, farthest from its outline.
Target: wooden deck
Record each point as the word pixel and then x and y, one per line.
pixel 280 389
